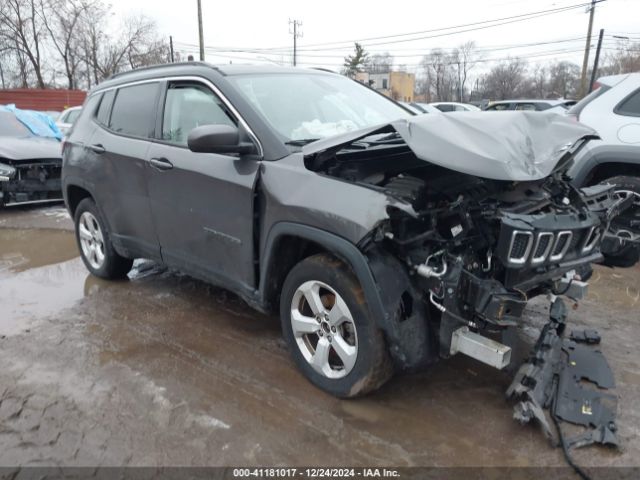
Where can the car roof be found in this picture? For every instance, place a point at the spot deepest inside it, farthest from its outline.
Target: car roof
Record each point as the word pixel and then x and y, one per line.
pixel 527 100
pixel 611 80
pixel 191 68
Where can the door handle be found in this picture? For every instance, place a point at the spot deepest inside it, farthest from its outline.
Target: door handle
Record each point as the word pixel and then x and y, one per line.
pixel 97 148
pixel 161 163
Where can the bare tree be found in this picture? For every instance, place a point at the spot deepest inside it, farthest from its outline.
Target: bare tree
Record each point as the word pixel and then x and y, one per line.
pixel 625 59
pixel 21 25
pixel 505 80
pixel 440 73
pixel 564 79
pixel 465 57
pixel 379 63
pixel 63 19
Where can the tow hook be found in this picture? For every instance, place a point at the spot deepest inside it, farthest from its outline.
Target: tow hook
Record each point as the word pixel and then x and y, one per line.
pixel 553 378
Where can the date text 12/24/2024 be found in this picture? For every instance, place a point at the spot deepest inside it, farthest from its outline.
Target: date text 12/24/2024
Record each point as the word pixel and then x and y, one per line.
pixel 315 472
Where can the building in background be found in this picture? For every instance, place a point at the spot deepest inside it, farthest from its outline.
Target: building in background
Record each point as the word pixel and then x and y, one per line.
pixel 397 85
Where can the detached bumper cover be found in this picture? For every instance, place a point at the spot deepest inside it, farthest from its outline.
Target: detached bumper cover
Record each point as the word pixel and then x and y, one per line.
pixel 552 379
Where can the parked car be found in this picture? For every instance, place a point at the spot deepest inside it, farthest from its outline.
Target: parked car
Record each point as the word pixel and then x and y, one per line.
pixel 385 240
pixel 67 118
pixel 454 107
pixel 424 107
pixel 30 158
pixel 531 105
pixel 613 110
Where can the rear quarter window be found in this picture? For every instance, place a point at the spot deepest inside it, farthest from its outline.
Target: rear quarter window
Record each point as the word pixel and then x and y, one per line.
pixel 102 116
pixel 578 107
pixel 630 106
pixel 133 111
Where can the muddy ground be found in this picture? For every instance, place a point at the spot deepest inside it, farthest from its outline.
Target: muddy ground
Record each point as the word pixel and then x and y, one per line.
pixel 166 370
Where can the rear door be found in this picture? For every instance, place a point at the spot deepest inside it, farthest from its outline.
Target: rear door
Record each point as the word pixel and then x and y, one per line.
pixel 127 117
pixel 202 203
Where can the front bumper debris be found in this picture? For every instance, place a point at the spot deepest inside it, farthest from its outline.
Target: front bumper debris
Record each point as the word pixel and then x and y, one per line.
pixel 553 379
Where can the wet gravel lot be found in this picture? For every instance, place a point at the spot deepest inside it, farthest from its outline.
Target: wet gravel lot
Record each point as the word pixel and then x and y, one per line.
pixel 166 370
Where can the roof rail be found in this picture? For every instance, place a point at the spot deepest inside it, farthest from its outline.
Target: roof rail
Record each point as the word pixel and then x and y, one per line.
pixel 322 69
pixel 161 65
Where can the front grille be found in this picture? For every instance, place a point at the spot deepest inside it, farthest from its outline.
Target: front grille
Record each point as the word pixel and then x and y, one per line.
pixel 563 242
pixel 543 246
pixel 520 246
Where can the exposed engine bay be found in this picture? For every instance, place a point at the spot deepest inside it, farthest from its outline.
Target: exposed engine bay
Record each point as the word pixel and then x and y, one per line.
pixel 480 247
pixel 27 181
pixel 474 251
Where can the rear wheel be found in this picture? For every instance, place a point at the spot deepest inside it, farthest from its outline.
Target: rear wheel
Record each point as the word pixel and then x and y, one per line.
pixel 620 246
pixel 94 242
pixel 327 326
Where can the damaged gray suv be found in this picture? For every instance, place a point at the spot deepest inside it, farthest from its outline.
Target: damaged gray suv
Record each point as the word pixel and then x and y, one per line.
pixel 385 240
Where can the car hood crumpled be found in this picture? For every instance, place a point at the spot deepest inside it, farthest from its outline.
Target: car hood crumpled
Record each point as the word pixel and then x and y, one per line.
pixel 515 146
pixel 30 148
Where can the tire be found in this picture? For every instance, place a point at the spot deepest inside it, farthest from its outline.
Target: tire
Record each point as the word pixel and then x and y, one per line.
pixel 94 242
pixel 619 253
pixel 345 325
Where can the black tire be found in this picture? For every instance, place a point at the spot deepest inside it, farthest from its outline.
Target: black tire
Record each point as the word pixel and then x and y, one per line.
pixel 616 253
pixel 114 266
pixel 373 365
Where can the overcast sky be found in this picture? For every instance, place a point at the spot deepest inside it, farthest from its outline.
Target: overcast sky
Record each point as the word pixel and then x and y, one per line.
pixel 263 26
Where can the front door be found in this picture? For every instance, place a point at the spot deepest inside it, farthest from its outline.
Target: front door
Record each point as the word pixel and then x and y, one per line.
pixel 201 203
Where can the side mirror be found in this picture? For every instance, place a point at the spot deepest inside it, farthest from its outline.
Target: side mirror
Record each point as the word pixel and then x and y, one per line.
pixel 217 139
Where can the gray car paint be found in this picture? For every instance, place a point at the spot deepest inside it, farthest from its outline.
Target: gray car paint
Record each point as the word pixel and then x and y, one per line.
pixel 599 153
pixel 516 146
pixel 29 148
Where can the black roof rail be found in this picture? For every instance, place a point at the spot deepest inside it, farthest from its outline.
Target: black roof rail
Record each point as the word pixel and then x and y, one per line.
pixel 162 65
pixel 323 69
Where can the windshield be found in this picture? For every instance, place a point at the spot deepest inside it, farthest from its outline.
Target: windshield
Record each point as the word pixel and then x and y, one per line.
pixel 10 126
pixel 309 107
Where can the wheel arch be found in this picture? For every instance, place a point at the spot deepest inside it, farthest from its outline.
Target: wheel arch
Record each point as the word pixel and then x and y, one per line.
pixel 601 163
pixel 74 194
pixel 288 243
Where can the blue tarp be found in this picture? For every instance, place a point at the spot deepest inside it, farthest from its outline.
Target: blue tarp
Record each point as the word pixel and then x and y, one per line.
pixel 39 123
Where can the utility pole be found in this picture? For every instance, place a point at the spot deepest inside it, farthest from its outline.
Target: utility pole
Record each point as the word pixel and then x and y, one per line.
pixel 459 85
pixel 587 46
pixel 200 31
pixel 171 47
pixel 594 72
pixel 296 34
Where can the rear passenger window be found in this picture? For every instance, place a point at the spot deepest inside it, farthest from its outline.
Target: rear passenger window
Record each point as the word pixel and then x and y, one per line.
pixel 133 111
pixel 105 108
pixel 630 105
pixel 188 106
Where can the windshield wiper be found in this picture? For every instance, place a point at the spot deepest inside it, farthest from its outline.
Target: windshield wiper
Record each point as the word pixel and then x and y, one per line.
pixel 301 142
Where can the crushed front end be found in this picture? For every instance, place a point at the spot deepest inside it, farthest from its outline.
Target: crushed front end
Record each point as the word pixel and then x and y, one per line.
pixel 463 249
pixel 29 181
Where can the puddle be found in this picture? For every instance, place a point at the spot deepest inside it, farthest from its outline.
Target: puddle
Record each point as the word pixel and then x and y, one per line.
pixel 21 250
pixel 40 274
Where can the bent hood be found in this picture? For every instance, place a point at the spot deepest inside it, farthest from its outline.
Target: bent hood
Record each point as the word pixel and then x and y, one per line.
pixel 515 146
pixel 29 148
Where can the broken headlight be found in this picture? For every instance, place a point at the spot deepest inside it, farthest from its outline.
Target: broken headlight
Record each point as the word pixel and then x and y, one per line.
pixel 6 172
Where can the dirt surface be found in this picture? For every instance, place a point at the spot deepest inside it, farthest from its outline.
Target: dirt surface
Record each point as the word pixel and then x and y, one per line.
pixel 166 370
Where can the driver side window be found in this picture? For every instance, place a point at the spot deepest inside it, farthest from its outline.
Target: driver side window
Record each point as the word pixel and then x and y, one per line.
pixel 190 105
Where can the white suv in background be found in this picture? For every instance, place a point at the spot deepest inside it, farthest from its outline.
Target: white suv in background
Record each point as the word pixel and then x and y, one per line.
pixel 613 110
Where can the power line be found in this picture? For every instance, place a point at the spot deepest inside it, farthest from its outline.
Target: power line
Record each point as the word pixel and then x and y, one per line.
pixel 511 19
pixel 503 20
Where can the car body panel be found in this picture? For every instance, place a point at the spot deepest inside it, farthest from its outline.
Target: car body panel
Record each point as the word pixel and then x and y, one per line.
pixel 515 146
pixel 202 209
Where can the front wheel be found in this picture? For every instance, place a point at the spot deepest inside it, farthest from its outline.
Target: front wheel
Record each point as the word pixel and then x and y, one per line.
pixel 94 242
pixel 620 246
pixel 330 334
